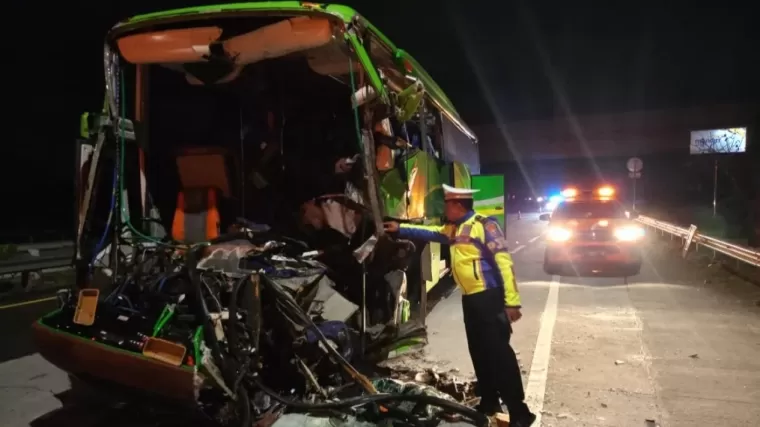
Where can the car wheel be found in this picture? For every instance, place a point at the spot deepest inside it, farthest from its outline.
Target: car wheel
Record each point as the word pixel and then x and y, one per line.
pixel 551 268
pixel 632 270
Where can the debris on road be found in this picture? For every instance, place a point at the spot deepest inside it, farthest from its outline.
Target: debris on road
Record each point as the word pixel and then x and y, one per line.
pixel 502 420
pixel 444 381
pixel 619 362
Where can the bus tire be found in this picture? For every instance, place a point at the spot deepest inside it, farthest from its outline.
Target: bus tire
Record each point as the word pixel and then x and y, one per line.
pixel 552 269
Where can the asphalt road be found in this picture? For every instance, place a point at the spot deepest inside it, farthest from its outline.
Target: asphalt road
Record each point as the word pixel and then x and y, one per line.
pixel 677 345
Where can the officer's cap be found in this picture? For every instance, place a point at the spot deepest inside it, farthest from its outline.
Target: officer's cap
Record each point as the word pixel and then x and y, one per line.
pixel 453 193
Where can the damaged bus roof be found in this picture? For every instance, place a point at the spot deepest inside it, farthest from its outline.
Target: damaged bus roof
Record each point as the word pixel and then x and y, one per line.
pixel 404 62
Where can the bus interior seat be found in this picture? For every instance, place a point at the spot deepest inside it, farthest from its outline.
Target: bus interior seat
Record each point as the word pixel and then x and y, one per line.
pixel 204 181
pixel 204 167
pixel 196 217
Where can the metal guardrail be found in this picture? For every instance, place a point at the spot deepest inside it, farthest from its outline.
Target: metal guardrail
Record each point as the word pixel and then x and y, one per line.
pixel 691 235
pixel 27 261
pixel 37 256
pixel 42 246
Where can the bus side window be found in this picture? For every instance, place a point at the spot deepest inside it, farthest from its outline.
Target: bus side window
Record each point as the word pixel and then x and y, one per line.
pixel 432 136
pixel 436 133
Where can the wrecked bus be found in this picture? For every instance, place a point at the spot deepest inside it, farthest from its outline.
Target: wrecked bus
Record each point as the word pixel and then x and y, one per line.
pixel 231 194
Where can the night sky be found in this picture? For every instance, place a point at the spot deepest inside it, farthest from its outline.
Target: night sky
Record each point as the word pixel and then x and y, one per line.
pixel 510 59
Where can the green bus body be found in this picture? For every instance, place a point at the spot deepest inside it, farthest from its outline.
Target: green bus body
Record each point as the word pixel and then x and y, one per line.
pixel 489 201
pixel 405 62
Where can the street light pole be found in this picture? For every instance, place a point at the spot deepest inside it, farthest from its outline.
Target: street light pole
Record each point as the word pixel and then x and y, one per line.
pixel 715 189
pixel 634 195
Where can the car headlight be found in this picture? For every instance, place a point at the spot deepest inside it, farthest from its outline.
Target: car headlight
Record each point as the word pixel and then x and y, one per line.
pixel 629 233
pixel 559 234
pixel 550 206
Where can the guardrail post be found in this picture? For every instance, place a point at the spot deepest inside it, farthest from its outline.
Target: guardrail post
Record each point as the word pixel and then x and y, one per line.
pixel 689 238
pixel 33 279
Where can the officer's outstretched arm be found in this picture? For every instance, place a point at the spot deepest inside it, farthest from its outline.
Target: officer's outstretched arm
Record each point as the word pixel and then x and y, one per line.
pixel 497 244
pixel 428 233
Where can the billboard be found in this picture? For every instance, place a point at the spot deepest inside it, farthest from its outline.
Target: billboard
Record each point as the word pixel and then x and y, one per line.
pixel 718 141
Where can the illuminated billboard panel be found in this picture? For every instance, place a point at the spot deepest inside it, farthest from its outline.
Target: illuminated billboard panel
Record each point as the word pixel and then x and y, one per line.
pixel 733 140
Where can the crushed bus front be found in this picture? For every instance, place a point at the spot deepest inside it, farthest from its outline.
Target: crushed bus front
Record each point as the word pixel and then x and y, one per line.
pixel 248 154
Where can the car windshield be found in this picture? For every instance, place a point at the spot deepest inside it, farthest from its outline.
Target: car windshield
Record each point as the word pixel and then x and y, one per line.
pixel 593 209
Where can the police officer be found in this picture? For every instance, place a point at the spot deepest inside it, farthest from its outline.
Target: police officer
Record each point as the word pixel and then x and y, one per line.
pixel 482 268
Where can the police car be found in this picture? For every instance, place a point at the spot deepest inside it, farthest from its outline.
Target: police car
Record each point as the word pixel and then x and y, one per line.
pixel 590 232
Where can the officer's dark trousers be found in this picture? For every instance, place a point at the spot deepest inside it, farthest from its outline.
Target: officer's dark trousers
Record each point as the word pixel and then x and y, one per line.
pixel 488 333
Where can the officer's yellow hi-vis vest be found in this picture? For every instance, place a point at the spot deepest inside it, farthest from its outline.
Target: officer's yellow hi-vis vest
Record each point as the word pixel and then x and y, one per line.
pixel 479 256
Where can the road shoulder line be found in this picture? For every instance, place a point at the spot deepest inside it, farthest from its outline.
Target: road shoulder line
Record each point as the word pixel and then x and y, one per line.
pixel 29 302
pixel 539 368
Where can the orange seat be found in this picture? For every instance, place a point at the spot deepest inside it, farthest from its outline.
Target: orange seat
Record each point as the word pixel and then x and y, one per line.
pixel 196 217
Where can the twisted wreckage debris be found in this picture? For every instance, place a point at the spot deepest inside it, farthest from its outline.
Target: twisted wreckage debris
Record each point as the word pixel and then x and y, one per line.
pixel 446 382
pixel 249 331
pixel 401 381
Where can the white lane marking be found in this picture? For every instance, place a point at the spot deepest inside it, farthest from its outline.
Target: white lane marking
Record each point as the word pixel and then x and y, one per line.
pixel 539 368
pixel 517 249
pixel 534 239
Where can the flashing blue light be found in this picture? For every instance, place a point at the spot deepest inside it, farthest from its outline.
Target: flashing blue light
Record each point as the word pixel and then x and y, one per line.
pixel 553 202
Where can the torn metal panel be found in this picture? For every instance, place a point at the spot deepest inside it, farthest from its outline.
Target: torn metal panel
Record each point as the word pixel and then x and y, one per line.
pixel 330 305
pixel 339 217
pixel 366 249
pixel 376 204
pixel 226 258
